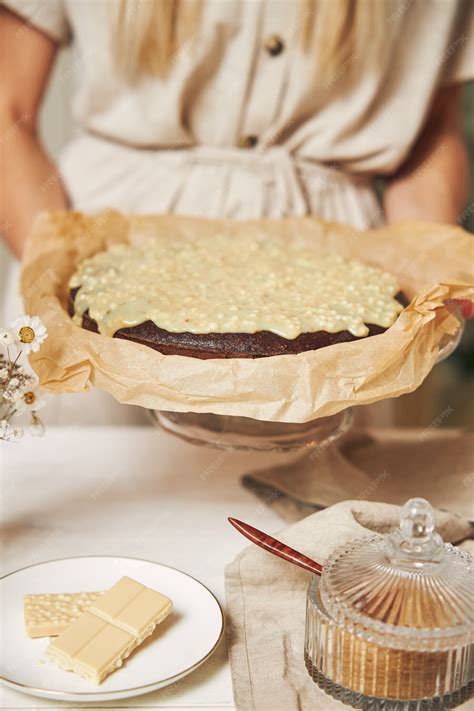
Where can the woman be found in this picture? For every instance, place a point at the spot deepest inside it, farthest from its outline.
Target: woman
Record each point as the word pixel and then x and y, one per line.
pixel 240 108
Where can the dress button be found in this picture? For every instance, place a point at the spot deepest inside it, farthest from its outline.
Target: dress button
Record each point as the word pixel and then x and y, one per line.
pixel 247 141
pixel 274 45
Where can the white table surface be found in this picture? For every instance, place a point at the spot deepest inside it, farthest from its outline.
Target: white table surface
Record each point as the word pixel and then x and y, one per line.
pixel 130 491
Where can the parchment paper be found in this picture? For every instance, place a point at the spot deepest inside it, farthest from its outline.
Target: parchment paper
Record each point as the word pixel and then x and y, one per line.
pixel 431 262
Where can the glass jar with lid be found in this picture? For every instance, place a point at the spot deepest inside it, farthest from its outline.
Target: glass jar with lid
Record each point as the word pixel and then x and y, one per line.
pixel 389 625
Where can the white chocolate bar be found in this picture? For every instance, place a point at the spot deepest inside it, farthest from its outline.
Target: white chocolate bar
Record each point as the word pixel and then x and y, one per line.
pixel 50 614
pixel 97 643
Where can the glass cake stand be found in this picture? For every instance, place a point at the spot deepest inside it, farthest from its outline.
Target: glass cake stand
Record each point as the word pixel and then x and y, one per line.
pixel 233 433
pixel 246 434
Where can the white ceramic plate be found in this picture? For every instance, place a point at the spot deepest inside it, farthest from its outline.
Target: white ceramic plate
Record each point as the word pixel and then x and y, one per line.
pixel 180 644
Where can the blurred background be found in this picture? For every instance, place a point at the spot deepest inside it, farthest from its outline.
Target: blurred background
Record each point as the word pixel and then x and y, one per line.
pixel 446 398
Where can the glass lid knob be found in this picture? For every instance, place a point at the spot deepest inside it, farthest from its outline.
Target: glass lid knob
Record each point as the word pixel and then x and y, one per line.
pixel 416 544
pixel 417 519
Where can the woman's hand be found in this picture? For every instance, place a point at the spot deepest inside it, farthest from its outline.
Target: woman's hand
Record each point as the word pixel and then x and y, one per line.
pixel 29 180
pixel 465 307
pixel 432 184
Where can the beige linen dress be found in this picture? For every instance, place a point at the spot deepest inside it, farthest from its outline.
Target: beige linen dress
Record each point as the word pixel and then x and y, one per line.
pixel 242 126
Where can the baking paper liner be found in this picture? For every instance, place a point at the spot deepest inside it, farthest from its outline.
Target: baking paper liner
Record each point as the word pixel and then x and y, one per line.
pixel 432 263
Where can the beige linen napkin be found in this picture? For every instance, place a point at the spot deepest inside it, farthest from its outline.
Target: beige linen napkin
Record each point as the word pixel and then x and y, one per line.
pixel 266 606
pixel 390 465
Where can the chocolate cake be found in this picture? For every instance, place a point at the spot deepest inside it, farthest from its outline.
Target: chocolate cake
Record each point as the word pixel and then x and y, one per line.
pixel 227 345
pixel 231 298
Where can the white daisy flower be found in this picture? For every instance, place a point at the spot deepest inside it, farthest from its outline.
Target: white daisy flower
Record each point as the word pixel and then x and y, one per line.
pixel 14 387
pixel 29 401
pixel 29 333
pixel 3 374
pixel 7 337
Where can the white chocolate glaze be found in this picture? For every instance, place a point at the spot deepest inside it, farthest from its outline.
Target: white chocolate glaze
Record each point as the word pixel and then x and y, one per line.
pixel 232 285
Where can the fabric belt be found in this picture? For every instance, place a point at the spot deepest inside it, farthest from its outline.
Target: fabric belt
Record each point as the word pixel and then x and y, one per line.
pixel 291 174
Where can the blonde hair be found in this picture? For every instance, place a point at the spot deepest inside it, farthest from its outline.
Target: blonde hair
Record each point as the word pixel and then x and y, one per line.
pixel 147 34
pixel 343 31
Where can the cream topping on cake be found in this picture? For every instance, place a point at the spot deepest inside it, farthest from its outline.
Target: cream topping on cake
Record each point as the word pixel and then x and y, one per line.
pixel 223 284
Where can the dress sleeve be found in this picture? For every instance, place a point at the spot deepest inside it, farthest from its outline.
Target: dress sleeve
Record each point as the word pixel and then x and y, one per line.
pixel 49 16
pixel 459 54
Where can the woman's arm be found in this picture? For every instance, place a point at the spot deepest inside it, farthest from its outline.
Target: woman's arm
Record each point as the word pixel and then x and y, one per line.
pixel 29 180
pixel 432 184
